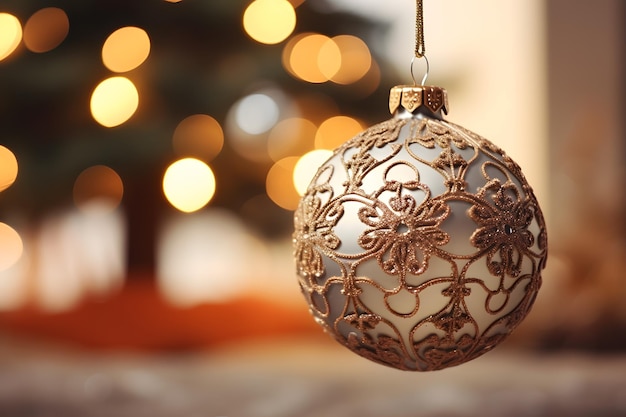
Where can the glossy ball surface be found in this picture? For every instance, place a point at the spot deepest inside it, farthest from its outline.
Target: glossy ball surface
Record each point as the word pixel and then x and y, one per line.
pixel 419 244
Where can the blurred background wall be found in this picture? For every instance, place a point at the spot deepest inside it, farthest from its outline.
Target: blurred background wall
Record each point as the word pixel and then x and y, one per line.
pixel 149 149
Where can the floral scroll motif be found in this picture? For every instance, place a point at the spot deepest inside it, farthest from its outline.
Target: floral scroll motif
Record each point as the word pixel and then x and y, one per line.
pixel 386 252
pixel 504 223
pixel 403 233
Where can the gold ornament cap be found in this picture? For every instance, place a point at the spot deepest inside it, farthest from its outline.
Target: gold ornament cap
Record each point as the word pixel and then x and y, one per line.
pixel 413 97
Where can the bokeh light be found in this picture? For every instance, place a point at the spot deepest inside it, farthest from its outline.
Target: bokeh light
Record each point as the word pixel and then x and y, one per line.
pixel 333 132
pixel 98 183
pixel 328 58
pixel 291 137
pixel 8 168
pixel 114 101
pixel 189 184
pixel 312 57
pixel 269 21
pixel 257 113
pixel 368 84
pixel 279 183
pixel 316 58
pixel 11 246
pixel 307 167
pixel 46 29
pixel 355 59
pixel 126 49
pixel 10 34
pixel 200 136
pixel 251 118
pixel 208 257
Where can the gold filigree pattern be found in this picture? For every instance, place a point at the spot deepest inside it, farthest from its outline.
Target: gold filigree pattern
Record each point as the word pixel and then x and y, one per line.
pixel 419 244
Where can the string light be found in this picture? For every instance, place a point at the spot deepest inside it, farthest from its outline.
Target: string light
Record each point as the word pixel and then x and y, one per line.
pixel 10 34
pixel 114 101
pixel 189 184
pixel 126 49
pixel 269 21
pixel 8 168
pixel 46 29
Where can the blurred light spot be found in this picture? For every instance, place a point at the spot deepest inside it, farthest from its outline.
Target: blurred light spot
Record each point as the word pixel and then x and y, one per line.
pixel 250 120
pixel 279 183
pixel 126 49
pixel 173 1
pixel 114 101
pixel 269 21
pixel 312 57
pixel 8 168
pixel 296 3
pixel 10 34
pixel 11 246
pixel 368 84
pixel 307 167
pixel 200 136
pixel 257 113
pixel 80 253
pixel 208 257
pixel 46 29
pixel 288 52
pixel 329 58
pixel 290 137
pixel 334 131
pixel 355 59
pixel 99 183
pixel 189 184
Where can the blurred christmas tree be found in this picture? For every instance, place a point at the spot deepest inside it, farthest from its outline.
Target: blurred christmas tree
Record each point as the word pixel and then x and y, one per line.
pixel 201 61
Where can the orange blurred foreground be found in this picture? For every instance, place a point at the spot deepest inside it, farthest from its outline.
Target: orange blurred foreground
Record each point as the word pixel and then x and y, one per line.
pixel 138 318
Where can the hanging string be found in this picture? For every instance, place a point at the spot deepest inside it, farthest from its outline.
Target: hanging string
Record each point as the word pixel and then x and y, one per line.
pixel 420 46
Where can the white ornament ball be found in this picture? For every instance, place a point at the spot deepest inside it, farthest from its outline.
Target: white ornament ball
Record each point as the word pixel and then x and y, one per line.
pixel 419 244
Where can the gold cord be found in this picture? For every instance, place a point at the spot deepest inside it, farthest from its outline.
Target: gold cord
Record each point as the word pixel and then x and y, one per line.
pixel 420 46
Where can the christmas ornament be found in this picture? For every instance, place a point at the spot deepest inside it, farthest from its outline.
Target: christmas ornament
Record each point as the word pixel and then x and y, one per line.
pixel 419 244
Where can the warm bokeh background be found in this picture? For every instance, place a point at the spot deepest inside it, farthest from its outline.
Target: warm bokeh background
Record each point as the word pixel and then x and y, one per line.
pixel 151 156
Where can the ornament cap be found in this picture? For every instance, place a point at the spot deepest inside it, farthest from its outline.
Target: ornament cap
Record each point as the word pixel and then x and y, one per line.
pixel 414 97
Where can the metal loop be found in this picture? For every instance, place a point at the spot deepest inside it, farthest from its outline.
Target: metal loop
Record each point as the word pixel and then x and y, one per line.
pixel 425 74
